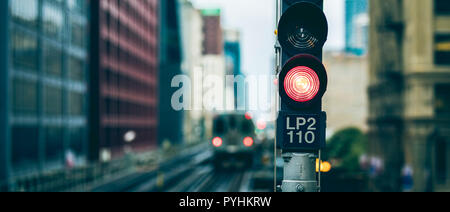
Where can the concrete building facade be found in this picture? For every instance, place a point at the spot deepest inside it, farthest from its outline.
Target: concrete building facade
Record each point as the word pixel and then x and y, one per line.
pixel 409 119
pixel 192 43
pixel 346 99
pixel 212 29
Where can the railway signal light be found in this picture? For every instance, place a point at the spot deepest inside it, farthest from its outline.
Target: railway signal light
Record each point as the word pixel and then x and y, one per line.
pixel 248 141
pixel 303 83
pixel 301 124
pixel 302 33
pixel 217 142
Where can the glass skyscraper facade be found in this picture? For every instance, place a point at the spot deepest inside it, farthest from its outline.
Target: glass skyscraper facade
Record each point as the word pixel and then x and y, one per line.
pixel 47 90
pixel 170 58
pixel 357 26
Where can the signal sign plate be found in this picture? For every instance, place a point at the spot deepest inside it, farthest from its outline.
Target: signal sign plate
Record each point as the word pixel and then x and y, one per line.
pixel 298 132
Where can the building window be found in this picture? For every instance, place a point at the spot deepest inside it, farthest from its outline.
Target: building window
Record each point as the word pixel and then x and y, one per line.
pixel 53 144
pixel 53 20
pixel 77 136
pixel 24 50
pixel 77 5
pixel 60 2
pixel 442 7
pixel 52 61
pixel 442 101
pixel 442 50
pixel 25 12
pixel 53 101
pixel 76 104
pixel 25 147
pixel 78 33
pixel 24 97
pixel 76 68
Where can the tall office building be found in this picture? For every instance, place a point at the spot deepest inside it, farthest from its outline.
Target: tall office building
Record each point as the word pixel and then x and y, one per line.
pixel 44 60
pixel 170 121
pixel 123 76
pixel 213 66
pixel 232 52
pixel 409 99
pixel 357 26
pixel 192 45
pixel 212 30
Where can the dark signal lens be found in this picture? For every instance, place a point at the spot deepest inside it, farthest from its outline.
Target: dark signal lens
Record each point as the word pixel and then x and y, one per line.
pixel 302 84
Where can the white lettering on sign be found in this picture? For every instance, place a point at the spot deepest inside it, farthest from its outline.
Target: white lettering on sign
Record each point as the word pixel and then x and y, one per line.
pixel 288 123
pixel 313 123
pixel 300 123
pixel 309 136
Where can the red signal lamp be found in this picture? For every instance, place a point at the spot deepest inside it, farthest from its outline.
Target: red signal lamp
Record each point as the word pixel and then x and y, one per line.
pixel 248 116
pixel 303 81
pixel 261 124
pixel 217 142
pixel 248 141
pixel 302 84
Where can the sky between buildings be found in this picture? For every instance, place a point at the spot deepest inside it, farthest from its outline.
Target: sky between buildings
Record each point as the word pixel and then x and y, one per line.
pixel 256 21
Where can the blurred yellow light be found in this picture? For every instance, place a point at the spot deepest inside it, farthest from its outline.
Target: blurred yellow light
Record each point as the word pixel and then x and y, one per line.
pixel 325 167
pixel 444 46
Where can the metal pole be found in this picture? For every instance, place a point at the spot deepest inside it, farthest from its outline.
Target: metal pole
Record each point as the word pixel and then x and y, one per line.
pixel 300 173
pixel 277 68
pixel 319 185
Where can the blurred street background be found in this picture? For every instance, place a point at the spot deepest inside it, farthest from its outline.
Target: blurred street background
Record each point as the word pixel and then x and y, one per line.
pixel 88 86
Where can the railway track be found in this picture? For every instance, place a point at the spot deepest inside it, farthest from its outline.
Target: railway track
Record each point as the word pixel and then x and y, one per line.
pixel 159 178
pixel 191 172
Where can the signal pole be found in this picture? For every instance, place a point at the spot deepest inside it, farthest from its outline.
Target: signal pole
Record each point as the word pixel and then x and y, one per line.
pixel 300 173
pixel 301 123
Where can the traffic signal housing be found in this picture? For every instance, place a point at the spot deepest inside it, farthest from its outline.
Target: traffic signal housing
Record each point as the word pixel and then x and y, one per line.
pixel 302 33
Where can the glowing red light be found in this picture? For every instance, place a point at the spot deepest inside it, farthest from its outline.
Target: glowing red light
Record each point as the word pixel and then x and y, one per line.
pixel 248 141
pixel 261 125
pixel 248 116
pixel 217 142
pixel 302 84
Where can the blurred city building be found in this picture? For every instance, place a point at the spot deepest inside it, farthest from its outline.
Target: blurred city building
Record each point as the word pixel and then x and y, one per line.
pixel 212 29
pixel 213 66
pixel 357 26
pixel 44 105
pixel 346 100
pixel 124 76
pixel 192 42
pixel 409 95
pixel 232 51
pixel 170 122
